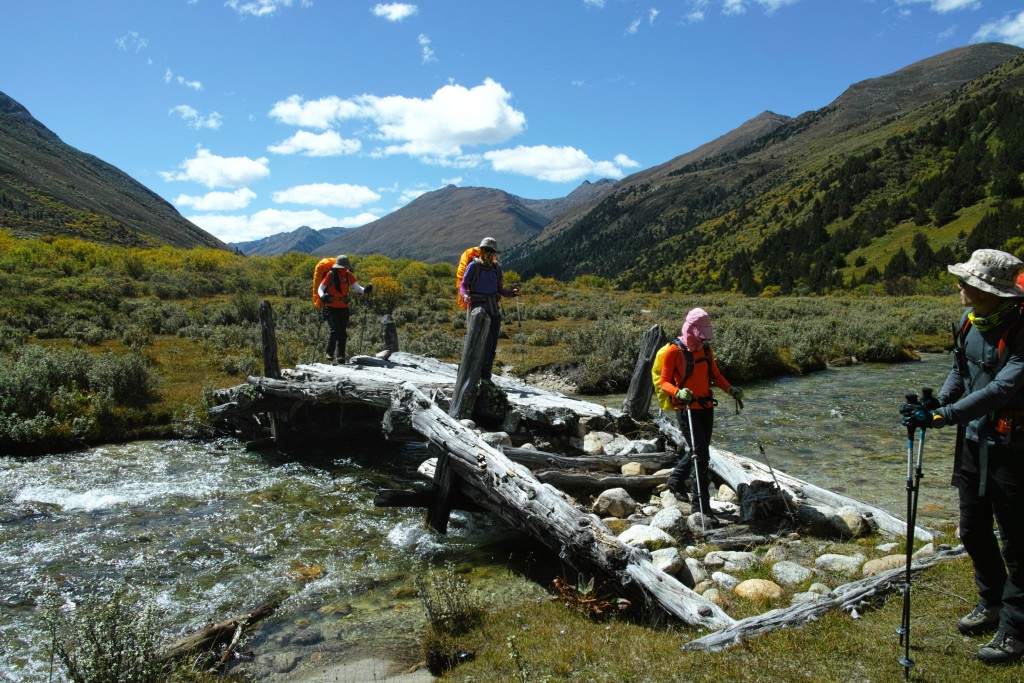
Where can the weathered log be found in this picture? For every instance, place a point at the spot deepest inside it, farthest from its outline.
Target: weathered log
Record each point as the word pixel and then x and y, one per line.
pixel 588 483
pixel 512 493
pixel 637 403
pixel 848 597
pixel 604 463
pixel 473 349
pixel 268 335
pixel 205 640
pixel 389 336
pixel 737 470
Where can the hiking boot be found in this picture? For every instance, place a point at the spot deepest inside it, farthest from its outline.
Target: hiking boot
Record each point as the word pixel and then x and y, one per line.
pixel 329 359
pixel 1002 649
pixel 981 620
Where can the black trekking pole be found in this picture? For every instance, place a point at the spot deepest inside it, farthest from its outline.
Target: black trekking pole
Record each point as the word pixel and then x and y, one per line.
pixel 691 444
pixel 757 440
pixel 911 409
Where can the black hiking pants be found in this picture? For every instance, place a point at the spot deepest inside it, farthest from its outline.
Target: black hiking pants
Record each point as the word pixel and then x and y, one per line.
pixel 337 320
pixel 998 575
pixel 696 467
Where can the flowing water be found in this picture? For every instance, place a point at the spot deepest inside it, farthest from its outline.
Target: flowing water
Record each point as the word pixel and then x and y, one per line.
pixel 209 530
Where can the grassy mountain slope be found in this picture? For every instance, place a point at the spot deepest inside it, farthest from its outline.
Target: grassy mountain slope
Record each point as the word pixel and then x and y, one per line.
pixel 50 188
pixel 765 213
pixel 438 226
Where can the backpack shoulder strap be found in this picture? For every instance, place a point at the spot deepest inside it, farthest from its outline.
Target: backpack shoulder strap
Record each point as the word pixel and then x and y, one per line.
pixel 689 360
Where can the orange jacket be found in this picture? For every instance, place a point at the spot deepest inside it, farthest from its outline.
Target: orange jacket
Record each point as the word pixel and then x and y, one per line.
pixel 339 296
pixel 700 380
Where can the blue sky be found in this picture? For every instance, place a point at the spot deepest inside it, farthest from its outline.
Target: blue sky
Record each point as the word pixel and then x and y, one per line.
pixel 255 117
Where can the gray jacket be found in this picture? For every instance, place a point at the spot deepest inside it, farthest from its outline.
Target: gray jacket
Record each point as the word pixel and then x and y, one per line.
pixel 980 383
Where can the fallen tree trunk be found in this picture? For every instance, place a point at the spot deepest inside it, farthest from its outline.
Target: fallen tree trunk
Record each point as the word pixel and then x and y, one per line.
pixel 512 493
pixel 223 633
pixel 602 463
pixel 848 596
pixel 737 471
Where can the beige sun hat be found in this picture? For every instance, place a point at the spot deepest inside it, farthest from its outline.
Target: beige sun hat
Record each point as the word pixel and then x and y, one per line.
pixel 489 243
pixel 992 271
pixel 342 262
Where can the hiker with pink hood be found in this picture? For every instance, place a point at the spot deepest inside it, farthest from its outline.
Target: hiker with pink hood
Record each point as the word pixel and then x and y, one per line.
pixel 688 373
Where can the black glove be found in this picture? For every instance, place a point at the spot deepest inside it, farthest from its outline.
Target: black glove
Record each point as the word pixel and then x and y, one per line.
pixel 368 290
pixel 920 418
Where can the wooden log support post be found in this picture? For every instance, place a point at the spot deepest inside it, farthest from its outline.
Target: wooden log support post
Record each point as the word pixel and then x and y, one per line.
pixel 512 493
pixel 637 403
pixel 464 396
pixel 271 366
pixel 388 335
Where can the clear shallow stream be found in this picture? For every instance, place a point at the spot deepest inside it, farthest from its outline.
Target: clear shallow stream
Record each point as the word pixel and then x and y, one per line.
pixel 209 530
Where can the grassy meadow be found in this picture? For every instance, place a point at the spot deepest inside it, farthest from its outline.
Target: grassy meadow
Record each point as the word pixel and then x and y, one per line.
pixel 101 344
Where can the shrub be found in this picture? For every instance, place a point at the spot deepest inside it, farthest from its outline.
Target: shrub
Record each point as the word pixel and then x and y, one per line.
pixel 104 639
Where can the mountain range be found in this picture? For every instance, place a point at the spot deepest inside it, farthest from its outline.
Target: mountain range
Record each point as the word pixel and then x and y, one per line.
pixel 48 187
pixel 921 162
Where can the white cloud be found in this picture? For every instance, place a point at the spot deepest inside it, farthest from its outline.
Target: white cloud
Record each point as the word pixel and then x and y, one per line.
pixel 594 3
pixel 169 77
pixel 320 114
pixel 412 193
pixel 633 27
pixel 195 120
pixel 326 144
pixel 732 7
pixel 394 11
pixel 131 41
pixel 272 221
pixel 327 194
pixel 947 34
pixel 426 50
pixel 1009 29
pixel 262 8
pixel 944 6
pixel 216 171
pixel 218 201
pixel 555 164
pixel 697 10
pixel 652 14
pixel 435 129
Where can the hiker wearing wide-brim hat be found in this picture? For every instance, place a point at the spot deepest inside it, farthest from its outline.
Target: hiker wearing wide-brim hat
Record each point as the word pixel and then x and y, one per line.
pixel 984 397
pixel 337 285
pixel 482 286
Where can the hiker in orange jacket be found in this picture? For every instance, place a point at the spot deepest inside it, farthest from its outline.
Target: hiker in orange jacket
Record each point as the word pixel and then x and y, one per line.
pixel 688 377
pixel 334 290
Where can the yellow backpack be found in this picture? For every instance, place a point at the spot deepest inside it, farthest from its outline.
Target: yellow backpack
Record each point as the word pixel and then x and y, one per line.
pixel 322 266
pixel 664 399
pixel 467 256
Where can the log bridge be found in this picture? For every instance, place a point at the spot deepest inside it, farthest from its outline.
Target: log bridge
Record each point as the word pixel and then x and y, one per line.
pixel 407 397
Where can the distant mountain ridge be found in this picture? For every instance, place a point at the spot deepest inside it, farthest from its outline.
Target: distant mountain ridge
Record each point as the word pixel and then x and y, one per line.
pixel 48 187
pixel 305 240
pixel 697 222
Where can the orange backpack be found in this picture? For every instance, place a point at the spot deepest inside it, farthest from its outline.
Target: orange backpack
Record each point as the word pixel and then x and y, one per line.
pixel 467 256
pixel 322 266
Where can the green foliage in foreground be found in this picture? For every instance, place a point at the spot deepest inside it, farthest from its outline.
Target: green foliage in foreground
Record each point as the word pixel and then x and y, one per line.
pixel 548 642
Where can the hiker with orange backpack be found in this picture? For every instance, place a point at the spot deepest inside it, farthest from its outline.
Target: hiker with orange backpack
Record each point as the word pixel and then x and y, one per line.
pixel 334 291
pixel 688 372
pixel 984 396
pixel 482 287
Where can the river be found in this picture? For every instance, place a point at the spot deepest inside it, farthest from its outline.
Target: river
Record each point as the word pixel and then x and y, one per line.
pixel 207 530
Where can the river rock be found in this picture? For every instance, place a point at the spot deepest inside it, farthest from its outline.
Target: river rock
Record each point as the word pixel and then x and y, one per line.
pixel 806 596
pixel 886 547
pixel 849 523
pixel 817 519
pixel 671 521
pixel 702 587
pixel 496 439
pixel 819 588
pixel 643 536
pixel 713 595
pixel 644 446
pixel 883 564
pixel 726 581
pixel 632 469
pixel 925 550
pixel 839 564
pixel 695 571
pixel 727 495
pixel 775 554
pixel 698 523
pixel 615 503
pixel 669 500
pixel 790 573
pixel 758 589
pixel 731 560
pixel 668 560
